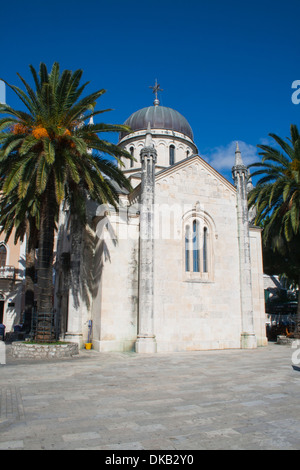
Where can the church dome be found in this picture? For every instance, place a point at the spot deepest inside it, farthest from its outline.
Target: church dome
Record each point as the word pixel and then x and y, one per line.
pixel 159 117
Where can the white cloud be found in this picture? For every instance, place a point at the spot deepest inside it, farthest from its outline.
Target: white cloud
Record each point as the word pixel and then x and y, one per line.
pixel 267 141
pixel 222 158
pixel 2 92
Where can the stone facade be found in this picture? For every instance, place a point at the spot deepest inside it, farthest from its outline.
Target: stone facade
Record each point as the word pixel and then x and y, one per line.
pixel 177 267
pixel 197 310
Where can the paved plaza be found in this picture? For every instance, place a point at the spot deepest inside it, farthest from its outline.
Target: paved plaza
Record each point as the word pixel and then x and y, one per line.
pixel 233 399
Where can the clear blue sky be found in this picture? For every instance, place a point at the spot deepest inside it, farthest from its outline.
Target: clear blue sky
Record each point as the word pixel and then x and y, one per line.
pixel 227 66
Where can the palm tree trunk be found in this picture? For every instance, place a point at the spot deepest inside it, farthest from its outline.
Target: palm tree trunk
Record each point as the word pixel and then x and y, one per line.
pixel 29 286
pixel 45 329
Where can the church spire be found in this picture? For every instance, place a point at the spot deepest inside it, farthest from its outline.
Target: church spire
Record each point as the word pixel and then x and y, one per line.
pixel 149 140
pixel 240 177
pixel 238 157
pixel 239 168
pixel 146 342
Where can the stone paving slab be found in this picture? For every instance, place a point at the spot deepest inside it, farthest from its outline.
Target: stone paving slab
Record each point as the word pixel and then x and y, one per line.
pixel 196 400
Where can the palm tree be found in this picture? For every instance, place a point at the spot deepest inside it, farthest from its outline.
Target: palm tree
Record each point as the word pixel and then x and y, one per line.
pixel 277 199
pixel 53 153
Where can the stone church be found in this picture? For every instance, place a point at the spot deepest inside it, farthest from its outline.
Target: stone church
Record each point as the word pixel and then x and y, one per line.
pixel 178 265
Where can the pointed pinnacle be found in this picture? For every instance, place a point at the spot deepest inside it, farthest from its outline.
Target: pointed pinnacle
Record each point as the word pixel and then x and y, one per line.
pixel 238 156
pixel 148 140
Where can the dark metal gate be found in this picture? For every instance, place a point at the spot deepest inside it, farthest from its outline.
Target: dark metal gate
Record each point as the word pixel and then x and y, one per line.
pixel 45 327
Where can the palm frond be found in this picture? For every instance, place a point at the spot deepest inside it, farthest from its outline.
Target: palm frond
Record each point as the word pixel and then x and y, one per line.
pixel 54 151
pixel 276 196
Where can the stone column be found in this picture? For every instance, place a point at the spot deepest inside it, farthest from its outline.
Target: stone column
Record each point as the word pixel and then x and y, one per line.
pixel 74 333
pixel 240 176
pixel 146 342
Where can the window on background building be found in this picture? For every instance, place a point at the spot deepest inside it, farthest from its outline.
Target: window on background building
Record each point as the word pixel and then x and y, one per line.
pixel 172 154
pixel 3 254
pixel 132 154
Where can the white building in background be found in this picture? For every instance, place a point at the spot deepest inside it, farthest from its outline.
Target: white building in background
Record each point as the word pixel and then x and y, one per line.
pixel 178 267
pixel 12 272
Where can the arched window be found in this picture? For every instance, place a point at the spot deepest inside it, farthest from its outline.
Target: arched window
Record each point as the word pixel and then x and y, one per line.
pixel 3 254
pixel 198 248
pixel 172 154
pixel 187 154
pixel 196 245
pixel 132 154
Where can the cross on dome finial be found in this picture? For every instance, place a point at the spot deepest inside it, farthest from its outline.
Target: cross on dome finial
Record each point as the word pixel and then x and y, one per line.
pixel 156 89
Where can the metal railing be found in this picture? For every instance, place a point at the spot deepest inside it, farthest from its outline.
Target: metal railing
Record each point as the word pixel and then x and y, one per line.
pixel 45 326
